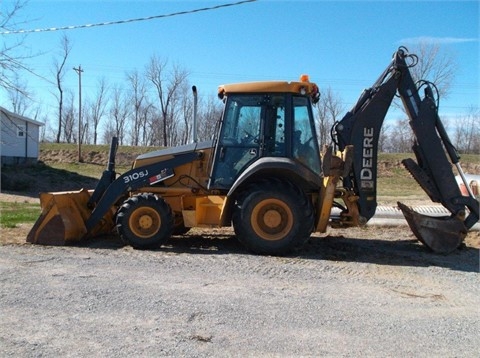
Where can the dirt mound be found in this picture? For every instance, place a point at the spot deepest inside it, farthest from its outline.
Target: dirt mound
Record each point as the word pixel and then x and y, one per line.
pixel 93 157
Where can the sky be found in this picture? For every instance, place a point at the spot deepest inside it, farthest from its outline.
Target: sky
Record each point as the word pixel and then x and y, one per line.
pixel 342 45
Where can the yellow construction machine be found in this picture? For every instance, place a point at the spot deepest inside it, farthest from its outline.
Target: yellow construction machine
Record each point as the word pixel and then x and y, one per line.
pixel 265 173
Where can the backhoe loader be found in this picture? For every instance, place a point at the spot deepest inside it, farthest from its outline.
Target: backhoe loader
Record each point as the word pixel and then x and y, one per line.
pixel 265 173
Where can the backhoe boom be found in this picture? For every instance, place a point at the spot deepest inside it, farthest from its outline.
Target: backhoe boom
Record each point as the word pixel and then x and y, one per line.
pixel 433 171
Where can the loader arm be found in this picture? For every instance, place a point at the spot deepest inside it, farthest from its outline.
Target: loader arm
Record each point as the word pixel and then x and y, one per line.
pixel 73 216
pixel 134 179
pixel 108 175
pixel 361 127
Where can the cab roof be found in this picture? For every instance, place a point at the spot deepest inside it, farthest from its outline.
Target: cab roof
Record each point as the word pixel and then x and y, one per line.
pixel 303 87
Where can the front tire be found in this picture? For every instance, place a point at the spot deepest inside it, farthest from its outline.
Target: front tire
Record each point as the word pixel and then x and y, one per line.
pixel 273 218
pixel 145 221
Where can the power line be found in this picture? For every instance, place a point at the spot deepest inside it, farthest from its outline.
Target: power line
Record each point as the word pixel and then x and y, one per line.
pixel 73 27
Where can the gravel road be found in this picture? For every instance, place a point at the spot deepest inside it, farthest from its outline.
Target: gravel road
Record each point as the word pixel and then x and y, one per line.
pixel 371 292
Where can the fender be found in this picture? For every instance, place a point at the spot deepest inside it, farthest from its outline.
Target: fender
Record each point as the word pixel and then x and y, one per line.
pixel 280 167
pixel 273 166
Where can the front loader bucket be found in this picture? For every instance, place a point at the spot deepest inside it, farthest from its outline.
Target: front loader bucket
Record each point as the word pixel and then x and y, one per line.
pixel 62 219
pixel 441 234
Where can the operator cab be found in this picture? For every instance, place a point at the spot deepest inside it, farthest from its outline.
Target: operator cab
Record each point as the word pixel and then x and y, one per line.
pixel 264 119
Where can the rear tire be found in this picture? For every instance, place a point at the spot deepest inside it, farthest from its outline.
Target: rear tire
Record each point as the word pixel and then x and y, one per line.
pixel 273 218
pixel 145 221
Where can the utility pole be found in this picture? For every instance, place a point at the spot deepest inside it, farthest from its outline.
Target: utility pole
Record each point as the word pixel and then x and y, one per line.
pixel 79 71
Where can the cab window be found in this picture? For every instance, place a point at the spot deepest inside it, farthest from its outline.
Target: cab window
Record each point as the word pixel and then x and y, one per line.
pixel 304 145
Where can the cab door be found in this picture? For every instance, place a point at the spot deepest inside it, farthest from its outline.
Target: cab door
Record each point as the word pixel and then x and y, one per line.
pixel 253 126
pixel 239 142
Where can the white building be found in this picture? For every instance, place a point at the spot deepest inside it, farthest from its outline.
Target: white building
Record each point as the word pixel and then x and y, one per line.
pixel 19 138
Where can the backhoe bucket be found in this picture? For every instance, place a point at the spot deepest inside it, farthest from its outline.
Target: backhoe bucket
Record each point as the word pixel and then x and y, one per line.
pixel 442 235
pixel 62 219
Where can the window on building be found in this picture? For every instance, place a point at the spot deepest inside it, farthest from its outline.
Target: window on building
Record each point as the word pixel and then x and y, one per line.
pixel 21 131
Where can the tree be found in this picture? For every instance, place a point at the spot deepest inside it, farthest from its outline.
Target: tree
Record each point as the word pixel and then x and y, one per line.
pixel 119 113
pixel 167 84
pixel 11 62
pixel 467 132
pixel 149 124
pixel 208 118
pixel 186 112
pixel 97 107
pixel 401 139
pixel 19 96
pixel 435 65
pixel 59 67
pixel 383 141
pixel 68 120
pixel 329 109
pixel 137 98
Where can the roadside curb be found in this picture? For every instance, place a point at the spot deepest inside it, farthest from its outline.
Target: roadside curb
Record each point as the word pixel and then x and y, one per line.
pixel 392 215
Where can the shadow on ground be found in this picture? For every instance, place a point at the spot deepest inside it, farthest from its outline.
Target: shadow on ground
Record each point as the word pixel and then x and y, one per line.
pixel 29 181
pixel 379 251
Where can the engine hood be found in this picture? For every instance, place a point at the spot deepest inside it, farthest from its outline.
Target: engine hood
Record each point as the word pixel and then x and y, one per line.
pixel 187 148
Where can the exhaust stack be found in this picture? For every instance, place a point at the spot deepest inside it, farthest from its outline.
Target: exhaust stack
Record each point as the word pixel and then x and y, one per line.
pixel 195 100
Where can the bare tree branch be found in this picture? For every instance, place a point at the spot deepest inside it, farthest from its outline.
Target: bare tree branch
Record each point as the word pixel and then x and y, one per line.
pixel 137 98
pixel 329 108
pixel 168 87
pixel 97 107
pixel 59 68
pixel 436 65
pixel 12 60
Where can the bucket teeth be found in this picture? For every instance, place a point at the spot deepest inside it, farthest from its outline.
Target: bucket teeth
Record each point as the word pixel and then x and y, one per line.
pixel 441 234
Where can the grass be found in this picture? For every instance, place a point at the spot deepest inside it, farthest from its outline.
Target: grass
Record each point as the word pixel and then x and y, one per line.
pixel 398 183
pixel 398 186
pixel 16 213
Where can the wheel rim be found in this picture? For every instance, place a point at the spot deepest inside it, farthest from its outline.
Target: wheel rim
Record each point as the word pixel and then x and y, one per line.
pixel 272 219
pixel 145 222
